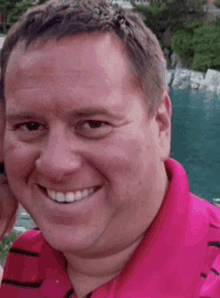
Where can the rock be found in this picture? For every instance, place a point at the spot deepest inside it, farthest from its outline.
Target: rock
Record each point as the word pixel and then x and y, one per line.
pixel 184 85
pixel 194 85
pixel 19 230
pixel 175 61
pixel 218 90
pixel 211 81
pixel 181 79
pixel 196 79
pixel 206 83
pixel 202 87
pixel 216 201
pixel 179 65
pixel 24 220
pixel 2 39
pixel 24 215
pixel 169 77
pixel 210 88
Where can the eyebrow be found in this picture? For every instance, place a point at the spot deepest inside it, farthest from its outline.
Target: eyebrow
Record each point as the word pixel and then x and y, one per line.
pixel 89 112
pixel 76 114
pixel 22 116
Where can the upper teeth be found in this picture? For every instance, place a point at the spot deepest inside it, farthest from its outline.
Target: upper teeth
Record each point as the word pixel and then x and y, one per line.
pixel 70 196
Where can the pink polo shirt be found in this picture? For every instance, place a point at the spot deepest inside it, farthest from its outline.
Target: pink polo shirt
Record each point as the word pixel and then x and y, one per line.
pixel 179 257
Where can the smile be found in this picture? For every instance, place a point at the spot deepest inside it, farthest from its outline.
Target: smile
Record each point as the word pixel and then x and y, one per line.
pixel 69 197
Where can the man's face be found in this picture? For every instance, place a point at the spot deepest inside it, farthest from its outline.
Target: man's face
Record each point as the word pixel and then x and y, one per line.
pixel 76 126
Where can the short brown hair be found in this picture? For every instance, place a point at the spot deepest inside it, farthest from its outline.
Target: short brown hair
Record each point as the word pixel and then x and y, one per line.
pixel 61 18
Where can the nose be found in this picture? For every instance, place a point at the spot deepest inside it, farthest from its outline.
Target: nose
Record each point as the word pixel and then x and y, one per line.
pixel 58 158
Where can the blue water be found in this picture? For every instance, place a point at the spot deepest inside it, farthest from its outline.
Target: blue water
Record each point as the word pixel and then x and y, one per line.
pixel 196 140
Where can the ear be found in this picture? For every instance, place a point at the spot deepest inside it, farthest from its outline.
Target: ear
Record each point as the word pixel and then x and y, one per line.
pixel 163 119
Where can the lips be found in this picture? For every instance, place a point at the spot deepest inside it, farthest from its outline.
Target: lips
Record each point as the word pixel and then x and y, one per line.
pixel 69 197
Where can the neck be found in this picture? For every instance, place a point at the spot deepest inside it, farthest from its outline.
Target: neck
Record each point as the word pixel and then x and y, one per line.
pixel 88 274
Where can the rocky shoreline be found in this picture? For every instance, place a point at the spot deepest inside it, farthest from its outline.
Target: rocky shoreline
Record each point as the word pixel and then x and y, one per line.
pixel 185 79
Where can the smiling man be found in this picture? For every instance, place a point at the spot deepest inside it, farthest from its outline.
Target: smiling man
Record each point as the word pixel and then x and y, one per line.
pixel 87 144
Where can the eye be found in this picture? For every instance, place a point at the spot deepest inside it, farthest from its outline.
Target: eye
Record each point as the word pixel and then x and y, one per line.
pixel 29 127
pixel 92 124
pixel 94 129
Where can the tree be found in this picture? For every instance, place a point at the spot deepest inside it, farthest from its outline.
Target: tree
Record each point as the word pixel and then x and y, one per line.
pixel 19 9
pixel 171 15
pixel 206 43
pixel 182 45
pixel 201 48
pixel 217 3
pixel 6 7
pixel 13 9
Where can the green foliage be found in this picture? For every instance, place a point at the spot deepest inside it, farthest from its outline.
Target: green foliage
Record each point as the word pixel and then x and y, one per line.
pixel 157 8
pixel 169 16
pixel 201 47
pixel 19 9
pixel 196 42
pixel 153 14
pixel 190 25
pixel 217 3
pixel 155 17
pixel 6 6
pixel 13 9
pixel 182 44
pixel 206 41
pixel 196 4
pixel 5 245
pixel 170 13
pixel 182 41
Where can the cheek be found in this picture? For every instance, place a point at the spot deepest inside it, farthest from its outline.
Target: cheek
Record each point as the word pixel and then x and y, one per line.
pixel 122 159
pixel 19 159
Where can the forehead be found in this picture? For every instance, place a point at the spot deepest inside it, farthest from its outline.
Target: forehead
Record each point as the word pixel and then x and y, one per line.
pixel 88 66
pixel 83 55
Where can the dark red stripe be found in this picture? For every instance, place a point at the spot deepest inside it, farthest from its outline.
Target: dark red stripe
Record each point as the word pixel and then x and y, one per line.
pixel 23 285
pixel 23 252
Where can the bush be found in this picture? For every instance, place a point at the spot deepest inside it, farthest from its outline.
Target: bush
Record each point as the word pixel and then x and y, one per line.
pixel 199 45
pixel 206 41
pixel 217 3
pixel 5 246
pixel 181 42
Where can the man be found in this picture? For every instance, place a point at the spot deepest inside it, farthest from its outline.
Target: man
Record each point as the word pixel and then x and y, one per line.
pixel 87 144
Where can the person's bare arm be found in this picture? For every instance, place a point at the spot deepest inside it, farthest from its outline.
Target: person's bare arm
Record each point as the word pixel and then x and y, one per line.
pixel 1 274
pixel 8 207
pixel 8 203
